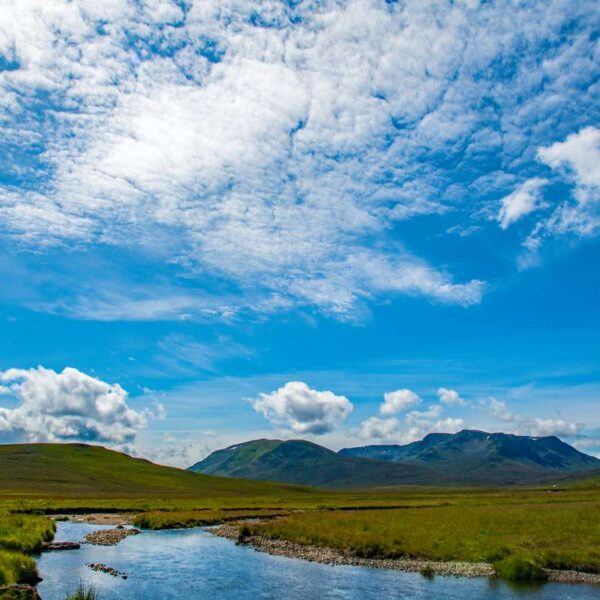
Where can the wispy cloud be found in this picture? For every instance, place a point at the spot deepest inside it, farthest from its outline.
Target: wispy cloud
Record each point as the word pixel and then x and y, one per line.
pixel 273 154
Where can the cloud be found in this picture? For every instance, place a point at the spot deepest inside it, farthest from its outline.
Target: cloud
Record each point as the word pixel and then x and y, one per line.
pixel 579 157
pixel 577 161
pixel 297 407
pixel 398 401
pixel 376 428
pixel 292 137
pixel 67 406
pixel 524 200
pixel 524 425
pixel 450 397
pixel 543 427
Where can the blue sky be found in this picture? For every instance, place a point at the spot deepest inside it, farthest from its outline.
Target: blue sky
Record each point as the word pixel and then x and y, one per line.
pixel 355 222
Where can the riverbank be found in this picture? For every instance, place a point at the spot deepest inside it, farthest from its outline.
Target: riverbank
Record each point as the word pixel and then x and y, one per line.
pixel 333 556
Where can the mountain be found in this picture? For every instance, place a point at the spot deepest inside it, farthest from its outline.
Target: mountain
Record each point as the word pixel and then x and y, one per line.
pixel 298 461
pixel 80 470
pixel 485 457
pixel 467 458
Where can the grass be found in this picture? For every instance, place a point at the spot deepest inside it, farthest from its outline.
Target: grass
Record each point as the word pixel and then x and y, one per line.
pixel 83 593
pixel 516 537
pixel 198 518
pixel 16 567
pixel 21 535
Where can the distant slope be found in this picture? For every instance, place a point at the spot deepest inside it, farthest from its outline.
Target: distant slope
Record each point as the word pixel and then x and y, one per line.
pixel 486 457
pixel 80 470
pixel 302 462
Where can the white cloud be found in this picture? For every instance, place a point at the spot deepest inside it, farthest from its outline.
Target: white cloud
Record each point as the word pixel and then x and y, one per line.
pixel 543 427
pixel 398 401
pixel 450 397
pixel 68 406
pixel 524 200
pixel 375 428
pixel 524 425
pixel 294 145
pixel 577 159
pixel 579 156
pixel 297 407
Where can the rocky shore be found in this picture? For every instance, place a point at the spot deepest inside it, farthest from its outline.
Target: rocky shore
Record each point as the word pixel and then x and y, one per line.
pixel 332 556
pixel 110 537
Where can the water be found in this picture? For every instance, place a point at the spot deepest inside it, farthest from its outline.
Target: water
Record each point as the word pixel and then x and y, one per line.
pixel 192 564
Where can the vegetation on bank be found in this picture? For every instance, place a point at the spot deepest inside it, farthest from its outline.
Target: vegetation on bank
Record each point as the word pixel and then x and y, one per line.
pixel 21 535
pixel 83 593
pixel 518 539
pixel 199 518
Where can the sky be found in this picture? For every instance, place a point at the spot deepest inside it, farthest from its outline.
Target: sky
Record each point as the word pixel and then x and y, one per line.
pixel 350 221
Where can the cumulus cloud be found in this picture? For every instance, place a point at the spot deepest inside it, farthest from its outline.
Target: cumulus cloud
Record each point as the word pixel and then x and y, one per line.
pixel 414 426
pixel 375 428
pixel 450 397
pixel 398 401
pixel 524 200
pixel 69 405
pixel 303 410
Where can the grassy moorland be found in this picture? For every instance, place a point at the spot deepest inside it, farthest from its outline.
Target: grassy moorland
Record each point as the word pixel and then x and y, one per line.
pixel 551 529
pixel 554 534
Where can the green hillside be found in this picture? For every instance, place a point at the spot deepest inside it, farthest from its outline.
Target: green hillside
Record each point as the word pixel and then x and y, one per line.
pixel 298 461
pixel 79 470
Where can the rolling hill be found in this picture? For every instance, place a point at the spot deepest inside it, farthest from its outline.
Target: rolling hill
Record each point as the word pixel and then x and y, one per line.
pixel 486 457
pixel 80 470
pixel 298 461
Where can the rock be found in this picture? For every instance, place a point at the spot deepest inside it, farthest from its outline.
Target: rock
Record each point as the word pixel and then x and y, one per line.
pixel 18 592
pixel 51 546
pixel 100 568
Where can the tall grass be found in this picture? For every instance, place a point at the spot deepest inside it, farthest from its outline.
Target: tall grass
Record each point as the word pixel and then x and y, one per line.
pixel 21 535
pixel 83 593
pixel 25 533
pixel 17 568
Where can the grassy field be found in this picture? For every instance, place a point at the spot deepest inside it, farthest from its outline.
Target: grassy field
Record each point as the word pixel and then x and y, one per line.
pixel 561 535
pixel 559 528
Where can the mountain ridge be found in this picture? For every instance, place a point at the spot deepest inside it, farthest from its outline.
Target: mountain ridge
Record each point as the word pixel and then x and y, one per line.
pixel 469 458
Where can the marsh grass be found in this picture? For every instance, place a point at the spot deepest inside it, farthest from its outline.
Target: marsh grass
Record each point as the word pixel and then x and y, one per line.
pixel 83 593
pixel 518 538
pixel 16 567
pixel 198 518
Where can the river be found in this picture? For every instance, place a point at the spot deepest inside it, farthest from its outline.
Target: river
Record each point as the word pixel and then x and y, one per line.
pixel 192 564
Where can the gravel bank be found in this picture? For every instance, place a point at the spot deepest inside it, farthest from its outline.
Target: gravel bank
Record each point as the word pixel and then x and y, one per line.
pixel 331 556
pixel 109 537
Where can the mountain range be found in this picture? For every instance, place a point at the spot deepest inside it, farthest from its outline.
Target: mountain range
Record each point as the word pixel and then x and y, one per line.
pixel 469 458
